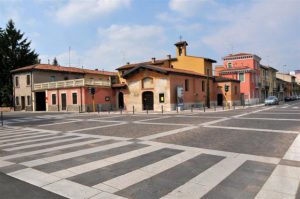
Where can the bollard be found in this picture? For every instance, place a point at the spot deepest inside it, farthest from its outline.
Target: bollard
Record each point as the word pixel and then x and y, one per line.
pixel 162 109
pixel 98 108
pixel 214 107
pixel 121 110
pixel 133 110
pixel 191 108
pixel 203 108
pixel 177 109
pixel 223 106
pixel 147 109
pixel 1 118
pixel 78 109
pixel 233 106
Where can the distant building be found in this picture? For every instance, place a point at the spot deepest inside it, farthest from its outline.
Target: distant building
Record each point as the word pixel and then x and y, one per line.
pixel 267 82
pixel 290 85
pixel 244 67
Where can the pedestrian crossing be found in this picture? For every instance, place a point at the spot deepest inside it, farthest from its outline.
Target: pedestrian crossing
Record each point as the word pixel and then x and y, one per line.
pixel 38 118
pixel 88 166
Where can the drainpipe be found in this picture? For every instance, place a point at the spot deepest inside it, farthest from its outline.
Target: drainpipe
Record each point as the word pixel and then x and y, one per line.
pixel 81 99
pixel 58 100
pixel 31 90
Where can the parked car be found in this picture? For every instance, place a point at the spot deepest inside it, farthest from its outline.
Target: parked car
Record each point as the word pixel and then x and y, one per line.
pixel 287 99
pixel 271 100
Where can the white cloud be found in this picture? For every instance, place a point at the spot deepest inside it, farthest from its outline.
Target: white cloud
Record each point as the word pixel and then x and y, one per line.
pixel 118 44
pixel 82 10
pixel 187 7
pixel 268 28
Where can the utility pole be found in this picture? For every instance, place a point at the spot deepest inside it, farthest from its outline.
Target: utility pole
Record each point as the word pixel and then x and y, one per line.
pixel 207 88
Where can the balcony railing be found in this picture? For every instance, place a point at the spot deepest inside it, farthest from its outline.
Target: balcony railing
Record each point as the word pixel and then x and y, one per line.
pixel 71 83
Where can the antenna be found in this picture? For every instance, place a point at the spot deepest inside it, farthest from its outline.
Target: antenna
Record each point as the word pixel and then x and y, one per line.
pixel 180 37
pixel 69 56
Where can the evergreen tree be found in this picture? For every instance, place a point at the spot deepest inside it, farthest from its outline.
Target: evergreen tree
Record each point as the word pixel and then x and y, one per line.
pixel 15 52
pixel 55 62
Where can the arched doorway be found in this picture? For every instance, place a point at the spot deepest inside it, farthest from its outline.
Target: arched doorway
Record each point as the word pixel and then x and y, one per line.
pixel 147 100
pixel 121 100
pixel 220 99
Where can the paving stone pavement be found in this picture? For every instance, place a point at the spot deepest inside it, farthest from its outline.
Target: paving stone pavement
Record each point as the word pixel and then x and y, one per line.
pixel 248 153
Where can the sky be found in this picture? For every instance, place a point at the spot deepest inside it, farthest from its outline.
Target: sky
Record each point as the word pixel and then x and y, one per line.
pixel 105 34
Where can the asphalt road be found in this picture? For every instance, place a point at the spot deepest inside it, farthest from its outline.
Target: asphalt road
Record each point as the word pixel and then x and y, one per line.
pixel 244 153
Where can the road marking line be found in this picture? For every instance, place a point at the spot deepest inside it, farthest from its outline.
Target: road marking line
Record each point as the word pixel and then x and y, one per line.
pixel 63 139
pixel 97 127
pixel 71 189
pixel 126 180
pixel 34 177
pixel 157 135
pixel 252 129
pixel 28 141
pixel 257 111
pixel 64 156
pixel 292 152
pixel 47 150
pixel 281 182
pixel 21 137
pixel 265 118
pixel 105 162
pixel 57 123
pixel 204 182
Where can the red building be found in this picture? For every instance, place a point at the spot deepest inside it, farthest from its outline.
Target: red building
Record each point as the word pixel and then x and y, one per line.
pixel 243 67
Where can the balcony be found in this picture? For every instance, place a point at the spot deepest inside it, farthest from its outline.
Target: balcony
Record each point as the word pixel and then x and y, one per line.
pixel 71 83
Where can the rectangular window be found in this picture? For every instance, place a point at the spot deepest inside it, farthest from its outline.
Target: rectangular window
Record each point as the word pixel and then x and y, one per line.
pixel 17 81
pixel 66 78
pixel 242 77
pixel 229 65
pixel 28 80
pixel 186 85
pixel 203 86
pixel 52 79
pixel 17 101
pixel 161 97
pixel 28 101
pixel 53 99
pixel 74 98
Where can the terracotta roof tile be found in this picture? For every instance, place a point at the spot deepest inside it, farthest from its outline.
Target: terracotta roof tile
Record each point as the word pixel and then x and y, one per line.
pixel 157 62
pixel 63 69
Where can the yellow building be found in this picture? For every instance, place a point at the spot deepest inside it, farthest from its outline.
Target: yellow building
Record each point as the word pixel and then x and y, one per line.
pixel 182 81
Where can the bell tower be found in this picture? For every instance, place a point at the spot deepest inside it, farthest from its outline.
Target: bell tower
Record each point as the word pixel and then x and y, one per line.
pixel 181 48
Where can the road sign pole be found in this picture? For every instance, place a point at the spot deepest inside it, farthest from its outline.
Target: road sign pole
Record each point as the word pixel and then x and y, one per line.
pixel 93 99
pixel 1 118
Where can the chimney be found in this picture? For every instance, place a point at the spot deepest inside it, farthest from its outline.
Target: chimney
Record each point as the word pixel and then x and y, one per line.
pixel 128 63
pixel 153 59
pixel 169 57
pixel 96 69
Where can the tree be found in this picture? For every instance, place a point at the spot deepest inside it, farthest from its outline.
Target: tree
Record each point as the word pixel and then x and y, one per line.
pixel 15 52
pixel 55 62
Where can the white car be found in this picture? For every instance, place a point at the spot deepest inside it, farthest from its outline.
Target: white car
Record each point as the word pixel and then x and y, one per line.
pixel 271 100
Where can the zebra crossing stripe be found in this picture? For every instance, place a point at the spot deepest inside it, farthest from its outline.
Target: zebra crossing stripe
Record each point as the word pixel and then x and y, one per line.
pixel 72 154
pixel 201 184
pixel 18 155
pixel 282 183
pixel 104 162
pixel 27 142
pixel 143 173
pixel 58 140
pixel 20 134
pixel 31 137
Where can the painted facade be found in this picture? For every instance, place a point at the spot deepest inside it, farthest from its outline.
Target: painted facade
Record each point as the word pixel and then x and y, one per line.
pixel 246 68
pixel 190 73
pixel 34 86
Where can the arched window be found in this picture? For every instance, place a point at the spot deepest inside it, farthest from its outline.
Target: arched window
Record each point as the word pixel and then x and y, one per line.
pixel 147 82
